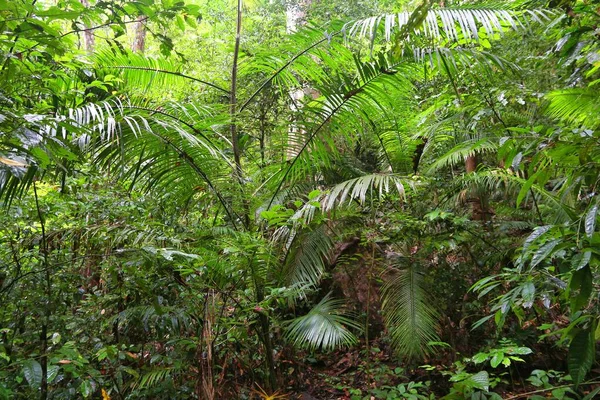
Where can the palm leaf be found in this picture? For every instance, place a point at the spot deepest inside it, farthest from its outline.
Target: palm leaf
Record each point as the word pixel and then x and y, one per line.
pixel 411 319
pixel 449 24
pixel 575 106
pixel 324 327
pixel 306 255
pixel 357 189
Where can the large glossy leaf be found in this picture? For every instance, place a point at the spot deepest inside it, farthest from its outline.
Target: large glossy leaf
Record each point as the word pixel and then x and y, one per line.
pixel 33 373
pixel 543 252
pixel 581 286
pixel 590 221
pixel 581 355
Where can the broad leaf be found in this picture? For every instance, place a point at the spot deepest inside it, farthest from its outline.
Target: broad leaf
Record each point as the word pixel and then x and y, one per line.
pixel 581 284
pixel 590 221
pixel 33 373
pixel 581 355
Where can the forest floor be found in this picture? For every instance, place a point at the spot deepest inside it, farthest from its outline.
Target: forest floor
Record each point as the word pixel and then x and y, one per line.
pixel 351 375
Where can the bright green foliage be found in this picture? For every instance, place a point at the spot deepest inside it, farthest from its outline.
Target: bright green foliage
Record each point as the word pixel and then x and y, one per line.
pixel 175 223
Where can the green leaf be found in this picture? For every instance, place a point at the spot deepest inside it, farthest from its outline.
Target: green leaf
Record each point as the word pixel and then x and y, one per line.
pixel 314 194
pixel 480 380
pixel 86 389
pixel 496 359
pixel 590 221
pixel 580 260
pixel 33 373
pixel 528 293
pixel 180 22
pixel 479 358
pixel 581 283
pixel 52 372
pixel 537 232
pixel 191 21
pixel 581 356
pixel 543 252
pixel 526 187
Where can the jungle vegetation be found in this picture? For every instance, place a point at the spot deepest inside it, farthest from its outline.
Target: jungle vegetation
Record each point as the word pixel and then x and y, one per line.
pixel 272 199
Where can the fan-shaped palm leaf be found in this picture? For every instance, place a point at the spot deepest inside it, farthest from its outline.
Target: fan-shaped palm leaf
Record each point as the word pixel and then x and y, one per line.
pixel 324 327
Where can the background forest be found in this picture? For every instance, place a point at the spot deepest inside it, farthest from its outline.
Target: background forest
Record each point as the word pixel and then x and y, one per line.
pixel 309 199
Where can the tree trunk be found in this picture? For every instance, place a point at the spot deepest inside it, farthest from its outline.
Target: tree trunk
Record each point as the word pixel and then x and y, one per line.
pixel 295 18
pixel 471 163
pixel 88 34
pixel 479 209
pixel 139 41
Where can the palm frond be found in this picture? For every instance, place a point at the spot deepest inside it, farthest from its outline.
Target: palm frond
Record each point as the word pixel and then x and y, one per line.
pixel 575 106
pixel 307 251
pixel 365 95
pixel 324 327
pixel 463 150
pixel 356 189
pixel 410 317
pixel 139 70
pixel 449 24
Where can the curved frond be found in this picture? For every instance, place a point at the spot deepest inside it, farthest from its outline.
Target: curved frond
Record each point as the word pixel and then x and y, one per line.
pixel 358 100
pixel 324 327
pixel 305 260
pixel 450 24
pixel 357 189
pixel 143 71
pixel 463 150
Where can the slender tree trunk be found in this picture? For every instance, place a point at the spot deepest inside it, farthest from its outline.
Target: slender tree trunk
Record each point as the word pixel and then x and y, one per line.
pixel 471 163
pixel 233 96
pixel 207 361
pixel 47 311
pixel 139 40
pixel 88 34
pixel 264 333
pixel 295 18
pixel 238 173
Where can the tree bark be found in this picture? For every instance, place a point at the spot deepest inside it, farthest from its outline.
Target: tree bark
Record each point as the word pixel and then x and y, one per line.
pixel 88 35
pixel 139 40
